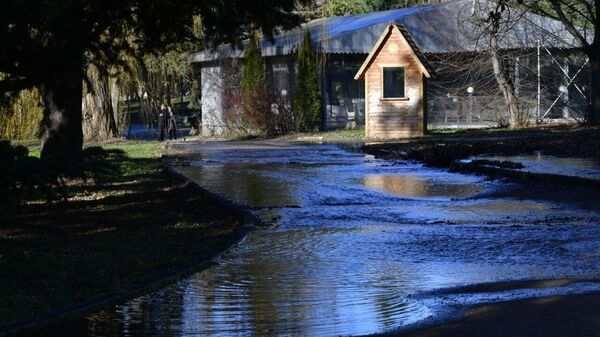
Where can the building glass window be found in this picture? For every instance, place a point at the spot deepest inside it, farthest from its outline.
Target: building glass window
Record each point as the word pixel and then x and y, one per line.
pixel 393 82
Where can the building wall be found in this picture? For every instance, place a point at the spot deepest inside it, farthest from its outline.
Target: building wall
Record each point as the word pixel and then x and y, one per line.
pixel 213 119
pixel 344 102
pixel 394 118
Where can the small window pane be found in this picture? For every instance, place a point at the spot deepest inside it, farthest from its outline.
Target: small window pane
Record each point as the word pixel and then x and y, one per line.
pixel 393 82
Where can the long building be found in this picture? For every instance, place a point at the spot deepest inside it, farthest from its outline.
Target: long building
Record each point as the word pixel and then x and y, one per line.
pixel 450 37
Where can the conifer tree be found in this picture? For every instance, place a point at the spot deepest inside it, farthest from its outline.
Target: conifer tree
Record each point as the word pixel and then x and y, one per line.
pixel 307 99
pixel 253 75
pixel 253 88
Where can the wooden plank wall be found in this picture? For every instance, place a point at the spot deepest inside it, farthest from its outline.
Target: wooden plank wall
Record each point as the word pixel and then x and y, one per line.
pixel 394 118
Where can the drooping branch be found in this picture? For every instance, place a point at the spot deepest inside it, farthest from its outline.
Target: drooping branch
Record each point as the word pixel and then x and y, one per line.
pixel 11 85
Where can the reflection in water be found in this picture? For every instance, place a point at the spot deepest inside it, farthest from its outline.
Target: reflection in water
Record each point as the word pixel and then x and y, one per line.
pixel 413 186
pixel 243 184
pixel 347 259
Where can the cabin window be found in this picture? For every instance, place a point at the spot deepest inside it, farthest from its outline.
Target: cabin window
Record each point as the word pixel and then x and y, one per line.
pixel 393 82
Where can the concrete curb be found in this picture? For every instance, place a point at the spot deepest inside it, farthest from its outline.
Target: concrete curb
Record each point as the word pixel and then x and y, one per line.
pixel 249 221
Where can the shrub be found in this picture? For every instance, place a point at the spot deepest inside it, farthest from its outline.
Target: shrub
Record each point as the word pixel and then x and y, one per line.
pixel 20 117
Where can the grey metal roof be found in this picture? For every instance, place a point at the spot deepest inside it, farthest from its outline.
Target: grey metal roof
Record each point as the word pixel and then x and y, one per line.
pixel 442 28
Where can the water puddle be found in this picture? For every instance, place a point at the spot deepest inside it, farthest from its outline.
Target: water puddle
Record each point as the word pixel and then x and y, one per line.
pixel 357 241
pixel 576 167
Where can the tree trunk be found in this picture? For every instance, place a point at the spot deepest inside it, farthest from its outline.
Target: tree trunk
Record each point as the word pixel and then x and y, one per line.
pixel 505 85
pixel 168 90
pixel 98 119
pixel 115 99
pixel 594 113
pixel 61 126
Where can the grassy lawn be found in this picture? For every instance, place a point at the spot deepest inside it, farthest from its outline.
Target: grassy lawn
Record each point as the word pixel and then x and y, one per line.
pixel 136 226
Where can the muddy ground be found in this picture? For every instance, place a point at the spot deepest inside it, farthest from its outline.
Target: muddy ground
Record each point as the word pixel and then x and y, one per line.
pixel 443 150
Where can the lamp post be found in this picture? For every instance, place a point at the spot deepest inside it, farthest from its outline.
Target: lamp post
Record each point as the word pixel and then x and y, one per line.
pixel 149 120
pixel 470 91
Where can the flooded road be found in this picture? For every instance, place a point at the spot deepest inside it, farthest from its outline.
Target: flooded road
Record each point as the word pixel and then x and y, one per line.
pixel 360 246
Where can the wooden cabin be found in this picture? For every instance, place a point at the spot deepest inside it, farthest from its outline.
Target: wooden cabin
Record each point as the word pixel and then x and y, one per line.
pixel 395 73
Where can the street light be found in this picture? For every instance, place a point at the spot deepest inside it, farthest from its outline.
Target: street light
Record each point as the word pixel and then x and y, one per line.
pixel 470 90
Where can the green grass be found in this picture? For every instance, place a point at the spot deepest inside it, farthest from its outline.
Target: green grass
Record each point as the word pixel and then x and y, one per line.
pixel 339 135
pixel 27 142
pixel 137 149
pixel 34 145
pixel 357 134
pixel 137 225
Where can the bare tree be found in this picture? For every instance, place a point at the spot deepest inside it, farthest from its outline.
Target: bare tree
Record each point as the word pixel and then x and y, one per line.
pixel 582 20
pixel 492 24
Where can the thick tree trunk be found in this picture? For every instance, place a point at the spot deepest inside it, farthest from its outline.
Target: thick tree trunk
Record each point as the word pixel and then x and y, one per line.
pixel 507 88
pixel 61 127
pixel 594 113
pixel 98 118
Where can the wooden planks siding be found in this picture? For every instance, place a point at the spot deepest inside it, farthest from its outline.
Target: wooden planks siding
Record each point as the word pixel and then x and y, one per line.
pixel 394 118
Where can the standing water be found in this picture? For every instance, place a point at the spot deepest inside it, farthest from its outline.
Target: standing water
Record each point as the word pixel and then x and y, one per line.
pixel 361 246
pixel 588 168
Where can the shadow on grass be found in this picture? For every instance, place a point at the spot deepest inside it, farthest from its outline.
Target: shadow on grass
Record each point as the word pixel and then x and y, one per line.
pixel 27 177
pixel 122 221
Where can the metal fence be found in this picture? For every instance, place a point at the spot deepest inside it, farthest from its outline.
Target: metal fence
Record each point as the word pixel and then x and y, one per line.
pixel 465 111
pixel 491 111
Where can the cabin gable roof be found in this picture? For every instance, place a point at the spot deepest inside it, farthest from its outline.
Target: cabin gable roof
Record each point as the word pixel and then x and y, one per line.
pixel 415 51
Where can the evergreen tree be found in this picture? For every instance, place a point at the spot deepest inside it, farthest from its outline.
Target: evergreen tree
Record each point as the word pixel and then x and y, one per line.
pixel 253 74
pixel 255 102
pixel 307 99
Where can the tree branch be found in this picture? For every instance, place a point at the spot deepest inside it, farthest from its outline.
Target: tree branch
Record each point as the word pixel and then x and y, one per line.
pixel 556 5
pixel 9 85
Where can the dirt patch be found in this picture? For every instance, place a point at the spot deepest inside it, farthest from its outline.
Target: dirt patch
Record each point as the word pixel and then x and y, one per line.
pixel 442 151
